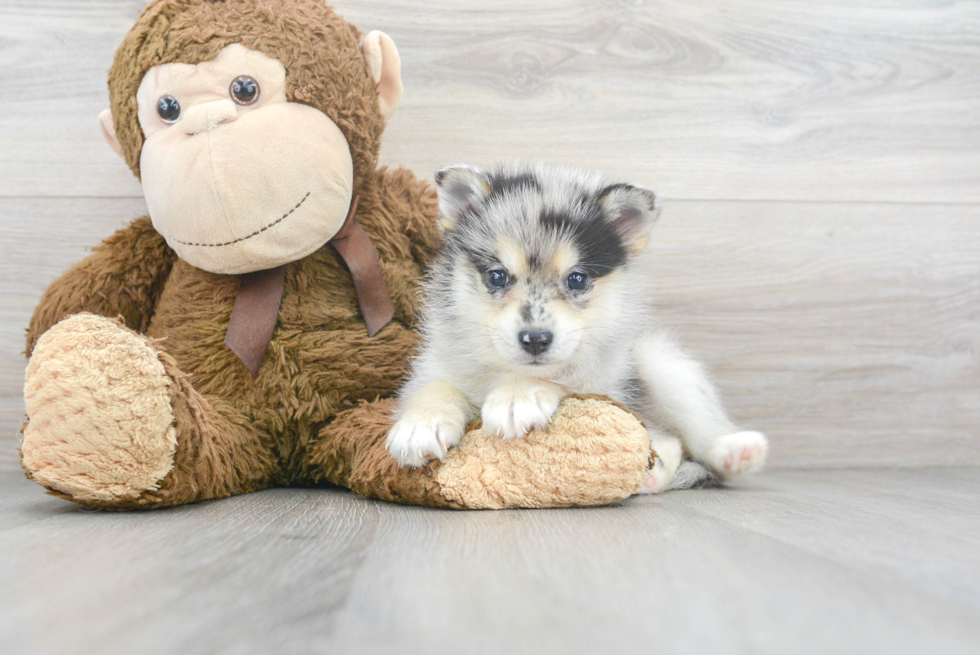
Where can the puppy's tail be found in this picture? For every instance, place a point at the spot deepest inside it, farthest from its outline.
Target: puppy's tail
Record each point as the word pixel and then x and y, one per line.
pixel 691 475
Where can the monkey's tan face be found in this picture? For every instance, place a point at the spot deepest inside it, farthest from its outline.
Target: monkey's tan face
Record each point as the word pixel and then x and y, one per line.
pixel 236 177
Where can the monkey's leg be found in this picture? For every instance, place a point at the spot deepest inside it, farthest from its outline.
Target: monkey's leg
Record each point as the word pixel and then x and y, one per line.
pixel 592 453
pixel 113 423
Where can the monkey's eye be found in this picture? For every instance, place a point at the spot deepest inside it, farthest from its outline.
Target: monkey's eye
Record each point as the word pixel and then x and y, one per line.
pixel 497 278
pixel 168 109
pixel 244 90
pixel 577 281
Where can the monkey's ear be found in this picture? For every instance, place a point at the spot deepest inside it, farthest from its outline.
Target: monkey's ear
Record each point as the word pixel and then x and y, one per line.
pixel 632 210
pixel 461 188
pixel 385 67
pixel 109 131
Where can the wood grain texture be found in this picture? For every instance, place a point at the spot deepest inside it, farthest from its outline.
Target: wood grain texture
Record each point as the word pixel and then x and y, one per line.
pixel 719 99
pixel 796 562
pixel 848 332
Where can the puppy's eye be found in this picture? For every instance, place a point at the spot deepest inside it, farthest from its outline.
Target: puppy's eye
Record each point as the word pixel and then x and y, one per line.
pixel 577 281
pixel 168 109
pixel 244 90
pixel 497 278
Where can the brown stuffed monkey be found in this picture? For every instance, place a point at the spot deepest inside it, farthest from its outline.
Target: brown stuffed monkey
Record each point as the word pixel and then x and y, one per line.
pixel 251 330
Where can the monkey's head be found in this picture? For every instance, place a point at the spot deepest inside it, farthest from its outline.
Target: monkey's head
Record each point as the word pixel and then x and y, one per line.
pixel 250 124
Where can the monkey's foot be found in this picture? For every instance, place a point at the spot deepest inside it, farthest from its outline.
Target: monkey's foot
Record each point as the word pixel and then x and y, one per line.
pixel 100 423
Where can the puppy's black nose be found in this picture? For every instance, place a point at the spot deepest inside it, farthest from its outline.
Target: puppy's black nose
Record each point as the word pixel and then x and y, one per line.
pixel 535 341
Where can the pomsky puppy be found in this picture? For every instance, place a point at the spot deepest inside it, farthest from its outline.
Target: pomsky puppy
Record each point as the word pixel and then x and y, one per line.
pixel 539 292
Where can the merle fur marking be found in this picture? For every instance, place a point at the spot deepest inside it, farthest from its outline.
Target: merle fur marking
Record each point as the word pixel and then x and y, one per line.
pixel 503 182
pixel 599 243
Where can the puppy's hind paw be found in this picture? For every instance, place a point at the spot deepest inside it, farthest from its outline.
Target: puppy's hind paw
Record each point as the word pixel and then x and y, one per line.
pixel 738 453
pixel 657 479
pixel 670 454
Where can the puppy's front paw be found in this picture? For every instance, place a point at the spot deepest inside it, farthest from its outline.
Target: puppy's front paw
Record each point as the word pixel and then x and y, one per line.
pixel 514 409
pixel 432 421
pixel 419 437
pixel 738 453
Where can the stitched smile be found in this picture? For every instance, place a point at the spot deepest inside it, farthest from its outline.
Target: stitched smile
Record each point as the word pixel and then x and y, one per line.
pixel 257 232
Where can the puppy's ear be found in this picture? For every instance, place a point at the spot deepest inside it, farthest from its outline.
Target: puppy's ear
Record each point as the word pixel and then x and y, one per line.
pixel 461 189
pixel 632 210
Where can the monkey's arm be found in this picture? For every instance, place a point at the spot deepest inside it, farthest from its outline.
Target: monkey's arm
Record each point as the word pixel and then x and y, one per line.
pixel 415 207
pixel 122 277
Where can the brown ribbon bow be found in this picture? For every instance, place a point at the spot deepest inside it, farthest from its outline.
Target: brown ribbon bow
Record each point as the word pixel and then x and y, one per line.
pixel 256 310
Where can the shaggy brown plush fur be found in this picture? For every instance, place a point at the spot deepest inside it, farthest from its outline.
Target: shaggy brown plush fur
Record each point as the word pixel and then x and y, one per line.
pixel 318 411
pixel 235 433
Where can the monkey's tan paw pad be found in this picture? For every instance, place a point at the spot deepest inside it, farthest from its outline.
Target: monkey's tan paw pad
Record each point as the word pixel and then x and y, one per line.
pixel 100 423
pixel 738 453
pixel 592 453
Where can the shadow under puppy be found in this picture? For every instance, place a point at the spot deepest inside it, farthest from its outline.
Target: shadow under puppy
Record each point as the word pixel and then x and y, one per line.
pixel 539 293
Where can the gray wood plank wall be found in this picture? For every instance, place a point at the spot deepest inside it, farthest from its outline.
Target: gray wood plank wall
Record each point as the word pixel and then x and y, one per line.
pixel 820 162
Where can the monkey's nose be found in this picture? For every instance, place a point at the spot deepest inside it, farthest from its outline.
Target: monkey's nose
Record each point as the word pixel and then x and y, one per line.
pixel 203 117
pixel 535 341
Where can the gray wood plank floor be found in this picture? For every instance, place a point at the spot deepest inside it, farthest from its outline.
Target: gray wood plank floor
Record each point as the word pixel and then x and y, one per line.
pixel 859 561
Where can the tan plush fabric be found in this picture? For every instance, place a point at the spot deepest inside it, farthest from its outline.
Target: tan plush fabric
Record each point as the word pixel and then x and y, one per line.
pixel 592 453
pixel 235 188
pixel 384 66
pixel 102 426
